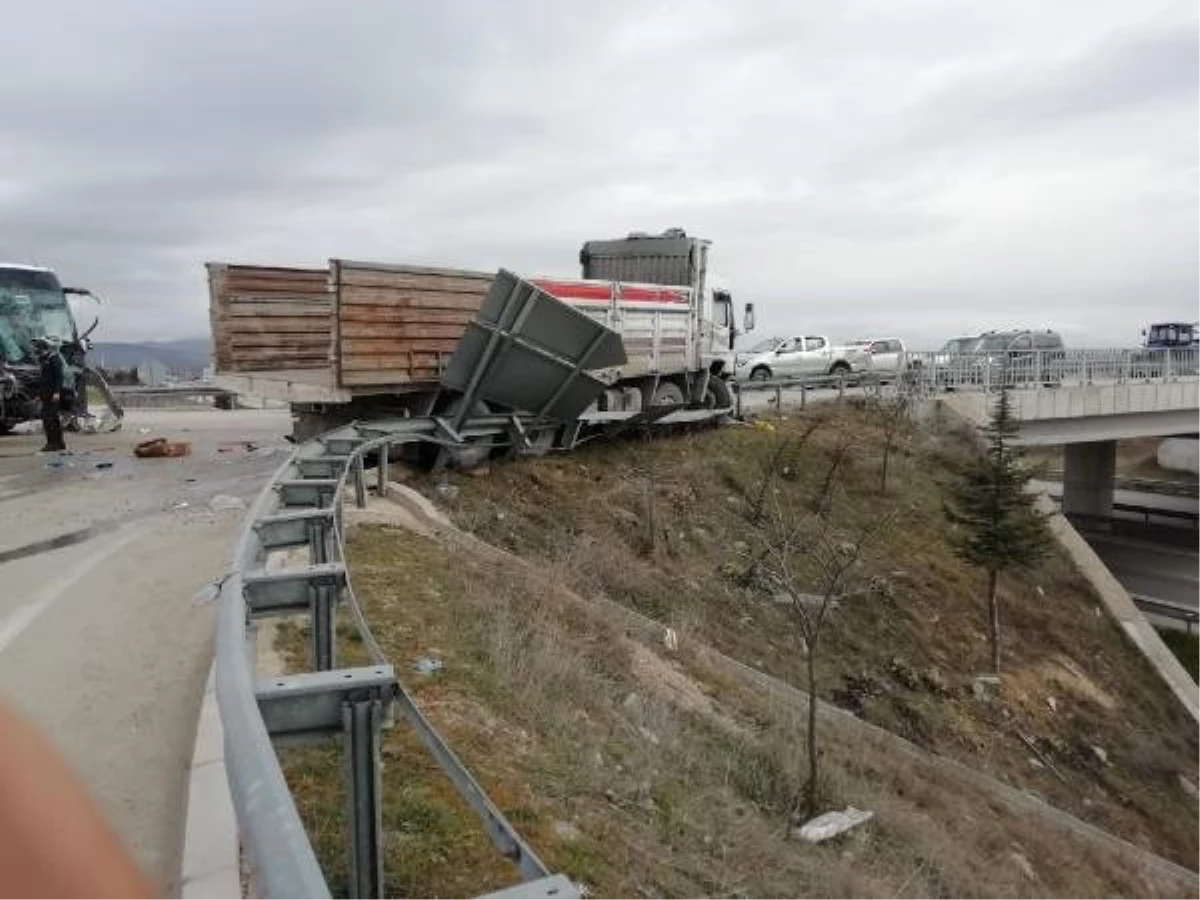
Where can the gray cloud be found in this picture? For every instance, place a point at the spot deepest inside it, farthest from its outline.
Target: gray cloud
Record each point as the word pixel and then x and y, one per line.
pixel 919 169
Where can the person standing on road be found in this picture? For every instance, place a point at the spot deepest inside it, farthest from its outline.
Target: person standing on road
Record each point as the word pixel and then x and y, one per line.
pixel 51 382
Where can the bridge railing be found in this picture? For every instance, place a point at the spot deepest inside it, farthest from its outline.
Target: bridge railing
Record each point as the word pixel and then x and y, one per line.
pixel 1040 368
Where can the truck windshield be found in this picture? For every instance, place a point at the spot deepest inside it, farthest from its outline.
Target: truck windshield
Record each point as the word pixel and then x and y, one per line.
pixel 32 304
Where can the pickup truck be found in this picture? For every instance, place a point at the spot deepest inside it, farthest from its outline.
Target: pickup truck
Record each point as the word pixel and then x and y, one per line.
pixel 795 357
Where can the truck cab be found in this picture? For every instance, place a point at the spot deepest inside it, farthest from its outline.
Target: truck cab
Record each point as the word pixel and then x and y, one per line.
pixel 675 258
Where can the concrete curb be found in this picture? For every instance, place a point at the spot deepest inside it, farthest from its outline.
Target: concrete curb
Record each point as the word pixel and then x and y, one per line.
pixel 210 866
pixel 1122 609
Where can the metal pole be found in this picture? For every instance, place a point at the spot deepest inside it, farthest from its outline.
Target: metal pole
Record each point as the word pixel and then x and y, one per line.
pixel 737 394
pixel 779 399
pixel 318 542
pixel 385 452
pixel 803 395
pixel 361 720
pixel 841 387
pixel 360 483
pixel 324 625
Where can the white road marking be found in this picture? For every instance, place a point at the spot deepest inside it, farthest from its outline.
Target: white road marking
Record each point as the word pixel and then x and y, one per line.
pixel 13 626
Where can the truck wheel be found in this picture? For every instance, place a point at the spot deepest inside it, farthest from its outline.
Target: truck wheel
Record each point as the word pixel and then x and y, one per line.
pixel 667 394
pixel 717 395
pixel 839 369
pixel 760 373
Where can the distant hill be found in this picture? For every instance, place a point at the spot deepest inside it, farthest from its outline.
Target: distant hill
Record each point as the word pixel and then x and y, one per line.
pixel 185 355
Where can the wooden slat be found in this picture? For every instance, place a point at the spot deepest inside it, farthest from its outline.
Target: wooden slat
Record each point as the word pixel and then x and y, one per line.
pixel 433 298
pixel 280 325
pixel 400 316
pixel 302 342
pixel 404 331
pixel 368 346
pixel 417 359
pixel 243 309
pixel 473 284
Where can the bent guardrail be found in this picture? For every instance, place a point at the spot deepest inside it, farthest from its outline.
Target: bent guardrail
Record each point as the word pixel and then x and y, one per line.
pixel 301 510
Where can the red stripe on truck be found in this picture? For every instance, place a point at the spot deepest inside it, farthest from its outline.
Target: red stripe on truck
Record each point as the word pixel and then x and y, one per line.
pixel 590 292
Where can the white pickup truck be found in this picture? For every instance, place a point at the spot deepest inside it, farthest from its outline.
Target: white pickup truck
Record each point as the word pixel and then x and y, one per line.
pixel 811 355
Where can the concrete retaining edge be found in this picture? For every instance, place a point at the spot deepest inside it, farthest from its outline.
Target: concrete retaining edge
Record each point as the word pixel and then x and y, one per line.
pixel 1122 609
pixel 210 865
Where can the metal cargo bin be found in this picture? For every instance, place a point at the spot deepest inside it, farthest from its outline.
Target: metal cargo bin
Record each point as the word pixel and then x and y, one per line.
pixel 528 351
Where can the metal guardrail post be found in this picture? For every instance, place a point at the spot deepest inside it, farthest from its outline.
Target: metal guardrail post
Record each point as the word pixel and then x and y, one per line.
pixel 318 541
pixel 322 613
pixel 779 400
pixel 385 451
pixel 360 482
pixel 361 721
pixel 803 396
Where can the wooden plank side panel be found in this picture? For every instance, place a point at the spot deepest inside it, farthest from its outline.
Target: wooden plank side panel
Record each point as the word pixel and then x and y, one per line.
pixel 399 324
pixel 268 319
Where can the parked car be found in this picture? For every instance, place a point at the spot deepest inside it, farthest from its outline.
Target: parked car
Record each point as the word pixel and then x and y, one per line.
pixel 883 357
pixel 1017 357
pixel 810 355
pixel 766 345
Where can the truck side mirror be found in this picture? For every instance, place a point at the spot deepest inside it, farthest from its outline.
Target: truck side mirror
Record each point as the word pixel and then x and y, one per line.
pixel 748 320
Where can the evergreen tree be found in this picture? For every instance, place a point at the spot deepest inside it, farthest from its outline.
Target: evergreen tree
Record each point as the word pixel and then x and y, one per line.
pixel 998 527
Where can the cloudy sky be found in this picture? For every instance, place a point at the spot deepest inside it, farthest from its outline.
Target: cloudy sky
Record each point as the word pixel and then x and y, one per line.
pixel 922 168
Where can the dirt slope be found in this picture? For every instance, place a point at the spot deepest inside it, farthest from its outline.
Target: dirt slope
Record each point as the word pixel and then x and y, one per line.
pixel 903 657
pixel 643 770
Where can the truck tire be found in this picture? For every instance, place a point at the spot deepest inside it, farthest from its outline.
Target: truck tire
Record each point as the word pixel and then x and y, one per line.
pixel 717 395
pixel 760 373
pixel 668 393
pixel 840 369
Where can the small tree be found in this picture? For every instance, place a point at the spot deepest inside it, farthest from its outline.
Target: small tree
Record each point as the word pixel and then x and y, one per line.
pixel 895 415
pixel 810 560
pixel 998 527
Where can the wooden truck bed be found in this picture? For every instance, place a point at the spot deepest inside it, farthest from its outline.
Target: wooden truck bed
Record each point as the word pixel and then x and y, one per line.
pixel 329 335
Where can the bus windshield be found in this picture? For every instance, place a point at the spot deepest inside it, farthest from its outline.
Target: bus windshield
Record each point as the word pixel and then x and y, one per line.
pixel 32 304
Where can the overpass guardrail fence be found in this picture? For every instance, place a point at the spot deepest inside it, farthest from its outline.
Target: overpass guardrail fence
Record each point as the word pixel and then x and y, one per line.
pixel 1164 609
pixel 930 373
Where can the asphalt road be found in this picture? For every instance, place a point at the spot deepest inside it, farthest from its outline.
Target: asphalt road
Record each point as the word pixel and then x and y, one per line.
pixel 1145 566
pixel 103 643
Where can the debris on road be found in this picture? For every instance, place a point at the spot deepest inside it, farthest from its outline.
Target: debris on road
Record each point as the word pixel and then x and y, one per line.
pixel 831 824
pixel 156 448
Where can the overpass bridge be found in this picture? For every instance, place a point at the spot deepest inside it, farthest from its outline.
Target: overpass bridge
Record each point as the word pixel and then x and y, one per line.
pixel 1085 401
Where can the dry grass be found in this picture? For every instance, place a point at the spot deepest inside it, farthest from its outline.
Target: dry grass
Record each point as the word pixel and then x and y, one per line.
pixel 902 657
pixel 643 773
pixel 646 773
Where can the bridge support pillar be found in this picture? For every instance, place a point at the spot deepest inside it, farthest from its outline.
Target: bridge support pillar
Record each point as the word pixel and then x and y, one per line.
pixel 1088 471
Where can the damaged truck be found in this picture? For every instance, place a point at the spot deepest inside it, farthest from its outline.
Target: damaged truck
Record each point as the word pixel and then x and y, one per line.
pixel 33 304
pixel 359 340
